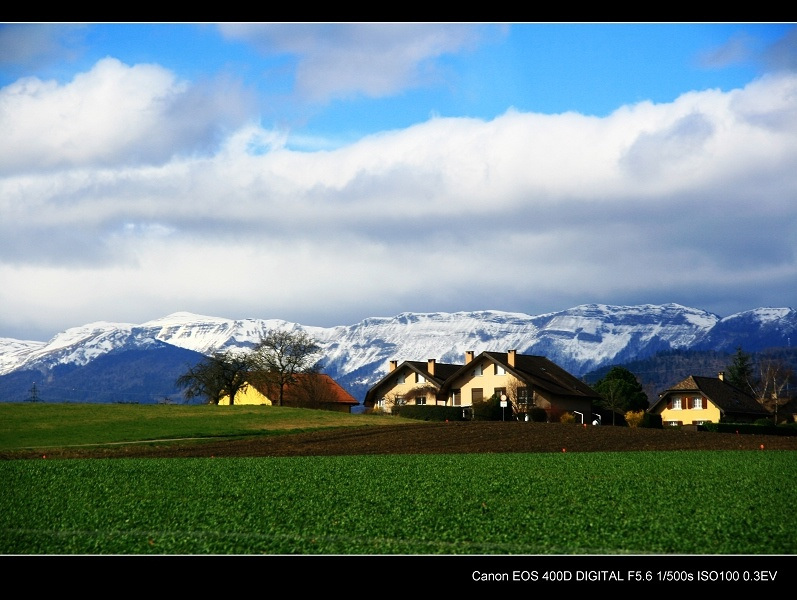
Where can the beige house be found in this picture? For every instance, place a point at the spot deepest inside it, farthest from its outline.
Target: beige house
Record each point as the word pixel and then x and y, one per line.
pixel 526 382
pixel 411 382
pixel 697 400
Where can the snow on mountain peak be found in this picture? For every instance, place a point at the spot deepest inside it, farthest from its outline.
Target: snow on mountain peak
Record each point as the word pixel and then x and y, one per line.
pixel 762 315
pixel 579 339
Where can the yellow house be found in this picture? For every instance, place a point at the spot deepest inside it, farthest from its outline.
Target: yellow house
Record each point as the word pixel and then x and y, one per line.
pixel 697 400
pixel 250 395
pixel 411 382
pixel 526 381
pixel 310 390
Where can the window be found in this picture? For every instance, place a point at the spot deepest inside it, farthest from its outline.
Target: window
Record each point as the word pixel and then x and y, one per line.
pixel 381 403
pixel 676 403
pixel 421 378
pixel 420 401
pixel 478 371
pixel 523 396
pixel 697 403
pixel 477 395
pixel 401 378
pixel 672 423
pixel 400 401
pixel 500 370
pixel 499 391
pixel 456 397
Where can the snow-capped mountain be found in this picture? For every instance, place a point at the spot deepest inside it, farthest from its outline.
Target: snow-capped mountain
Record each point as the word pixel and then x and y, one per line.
pixel 580 339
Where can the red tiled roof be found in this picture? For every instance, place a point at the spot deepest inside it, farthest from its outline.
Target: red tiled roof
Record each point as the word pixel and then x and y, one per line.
pixel 330 389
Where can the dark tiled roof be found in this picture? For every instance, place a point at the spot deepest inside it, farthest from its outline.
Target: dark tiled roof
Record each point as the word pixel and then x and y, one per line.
pixel 543 374
pixel 538 372
pixel 442 371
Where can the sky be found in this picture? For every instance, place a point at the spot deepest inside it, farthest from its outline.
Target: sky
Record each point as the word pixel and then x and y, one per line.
pixel 325 173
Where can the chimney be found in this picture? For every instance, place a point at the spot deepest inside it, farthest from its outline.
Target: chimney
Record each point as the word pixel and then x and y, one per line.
pixel 430 368
pixel 721 375
pixel 393 365
pixel 468 356
pixel 510 357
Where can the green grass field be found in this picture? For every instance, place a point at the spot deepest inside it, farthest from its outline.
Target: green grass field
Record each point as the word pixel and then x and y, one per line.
pixel 612 503
pixel 30 425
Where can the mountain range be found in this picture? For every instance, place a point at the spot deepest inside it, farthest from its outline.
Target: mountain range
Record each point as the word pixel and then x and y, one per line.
pixel 122 362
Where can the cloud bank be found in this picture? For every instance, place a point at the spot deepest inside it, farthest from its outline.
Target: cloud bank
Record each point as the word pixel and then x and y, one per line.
pixel 127 194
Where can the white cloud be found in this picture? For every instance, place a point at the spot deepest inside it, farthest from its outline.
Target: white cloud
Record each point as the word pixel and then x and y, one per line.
pixel 452 214
pixel 112 115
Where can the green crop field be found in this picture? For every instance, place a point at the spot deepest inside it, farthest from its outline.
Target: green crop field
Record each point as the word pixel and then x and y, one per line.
pixel 612 503
pixel 590 503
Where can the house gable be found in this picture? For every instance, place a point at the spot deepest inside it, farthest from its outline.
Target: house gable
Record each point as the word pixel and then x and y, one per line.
pixel 697 400
pixel 409 381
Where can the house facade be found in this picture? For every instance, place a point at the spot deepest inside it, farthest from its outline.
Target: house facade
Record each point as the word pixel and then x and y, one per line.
pixel 697 400
pixel 523 381
pixel 310 390
pixel 411 382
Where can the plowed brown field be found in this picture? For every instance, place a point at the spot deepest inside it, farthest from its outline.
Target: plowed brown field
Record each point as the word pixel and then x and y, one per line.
pixel 434 438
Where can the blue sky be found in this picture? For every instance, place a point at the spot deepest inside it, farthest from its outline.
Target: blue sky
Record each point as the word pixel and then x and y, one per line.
pixel 323 173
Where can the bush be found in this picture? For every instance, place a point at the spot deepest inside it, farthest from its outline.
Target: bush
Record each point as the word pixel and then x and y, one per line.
pixel 430 413
pixel 567 418
pixel 538 415
pixel 742 428
pixel 491 410
pixel 635 418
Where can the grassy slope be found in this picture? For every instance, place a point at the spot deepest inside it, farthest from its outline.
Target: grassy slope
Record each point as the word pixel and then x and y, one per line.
pixel 29 425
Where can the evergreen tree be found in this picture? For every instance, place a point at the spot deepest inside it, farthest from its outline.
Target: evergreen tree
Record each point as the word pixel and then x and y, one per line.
pixel 621 392
pixel 740 371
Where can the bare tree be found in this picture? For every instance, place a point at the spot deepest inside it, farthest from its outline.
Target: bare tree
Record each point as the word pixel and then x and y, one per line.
pixel 282 355
pixel 520 398
pixel 424 390
pixel 223 374
pixel 394 400
pixel 775 376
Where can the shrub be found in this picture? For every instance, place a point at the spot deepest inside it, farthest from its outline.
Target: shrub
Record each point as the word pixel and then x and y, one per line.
pixel 635 418
pixel 491 410
pixel 538 415
pixel 567 418
pixel 431 413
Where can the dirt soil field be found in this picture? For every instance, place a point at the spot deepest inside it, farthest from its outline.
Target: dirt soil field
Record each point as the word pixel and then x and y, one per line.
pixel 433 438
